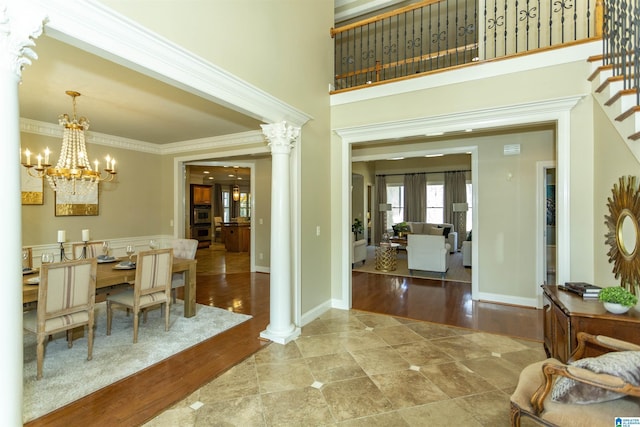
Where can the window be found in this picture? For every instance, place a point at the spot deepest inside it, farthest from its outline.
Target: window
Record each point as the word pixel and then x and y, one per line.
pixel 395 196
pixel 226 214
pixel 245 205
pixel 470 203
pixel 435 203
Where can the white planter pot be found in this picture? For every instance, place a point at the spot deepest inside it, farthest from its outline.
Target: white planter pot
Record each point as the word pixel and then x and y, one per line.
pixel 615 308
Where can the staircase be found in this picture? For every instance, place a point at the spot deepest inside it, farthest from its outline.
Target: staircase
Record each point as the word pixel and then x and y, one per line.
pixel 620 104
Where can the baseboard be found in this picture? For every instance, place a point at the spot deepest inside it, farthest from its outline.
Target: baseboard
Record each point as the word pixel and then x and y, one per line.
pixel 314 313
pixel 508 299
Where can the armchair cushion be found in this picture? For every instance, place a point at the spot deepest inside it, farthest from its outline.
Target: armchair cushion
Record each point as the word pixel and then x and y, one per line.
pixel 624 365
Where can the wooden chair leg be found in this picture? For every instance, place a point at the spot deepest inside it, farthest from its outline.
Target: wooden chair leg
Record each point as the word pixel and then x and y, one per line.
pixel 136 317
pixel 40 356
pixel 108 317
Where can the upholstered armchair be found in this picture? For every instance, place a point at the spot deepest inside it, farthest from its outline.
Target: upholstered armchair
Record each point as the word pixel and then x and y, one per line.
pixel 152 287
pixel 358 250
pixel 427 252
pixel 590 391
pixel 186 249
pixel 66 299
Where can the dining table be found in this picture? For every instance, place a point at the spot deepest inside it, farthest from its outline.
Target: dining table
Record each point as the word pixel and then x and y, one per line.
pixel 109 276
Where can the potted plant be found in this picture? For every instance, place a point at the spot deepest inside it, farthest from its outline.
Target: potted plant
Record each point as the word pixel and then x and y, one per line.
pixel 400 228
pixel 357 227
pixel 617 299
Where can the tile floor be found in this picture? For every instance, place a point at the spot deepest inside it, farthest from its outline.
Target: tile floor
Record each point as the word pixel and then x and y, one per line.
pixel 353 368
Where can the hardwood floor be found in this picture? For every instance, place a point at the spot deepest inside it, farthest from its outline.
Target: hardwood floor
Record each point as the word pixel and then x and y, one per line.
pixel 224 281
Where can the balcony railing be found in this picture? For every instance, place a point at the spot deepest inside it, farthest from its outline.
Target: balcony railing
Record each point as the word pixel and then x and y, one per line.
pixel 621 42
pixel 437 34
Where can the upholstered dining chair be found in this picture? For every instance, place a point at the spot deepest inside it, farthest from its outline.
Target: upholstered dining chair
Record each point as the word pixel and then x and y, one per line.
pixel 93 249
pixel 182 248
pixel 27 257
pixel 587 391
pixel 151 287
pixel 66 298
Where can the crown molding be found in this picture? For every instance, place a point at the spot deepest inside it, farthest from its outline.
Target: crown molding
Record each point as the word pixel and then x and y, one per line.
pixel 218 142
pixel 100 30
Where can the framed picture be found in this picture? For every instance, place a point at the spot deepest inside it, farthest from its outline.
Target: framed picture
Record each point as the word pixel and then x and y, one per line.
pixel 31 188
pixel 77 204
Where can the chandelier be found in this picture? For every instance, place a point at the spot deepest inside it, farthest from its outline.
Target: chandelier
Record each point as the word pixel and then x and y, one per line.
pixel 73 173
pixel 236 189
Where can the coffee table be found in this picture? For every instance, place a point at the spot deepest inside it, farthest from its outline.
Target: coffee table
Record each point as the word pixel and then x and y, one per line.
pixel 387 256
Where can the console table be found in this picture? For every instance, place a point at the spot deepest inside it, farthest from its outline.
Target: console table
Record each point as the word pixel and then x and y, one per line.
pixel 566 314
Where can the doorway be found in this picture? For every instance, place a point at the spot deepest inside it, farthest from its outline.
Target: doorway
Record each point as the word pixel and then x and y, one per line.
pixel 550 236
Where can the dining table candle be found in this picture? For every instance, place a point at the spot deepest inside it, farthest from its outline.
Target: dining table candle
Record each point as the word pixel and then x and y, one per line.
pixel 62 236
pixel 85 235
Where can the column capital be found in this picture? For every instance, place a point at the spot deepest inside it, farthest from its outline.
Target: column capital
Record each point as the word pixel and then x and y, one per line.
pixel 281 136
pixel 20 25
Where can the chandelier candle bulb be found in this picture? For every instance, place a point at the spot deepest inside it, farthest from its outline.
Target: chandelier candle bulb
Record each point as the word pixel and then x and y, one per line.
pixel 39 161
pixel 62 236
pixel 27 154
pixel 85 235
pixel 46 156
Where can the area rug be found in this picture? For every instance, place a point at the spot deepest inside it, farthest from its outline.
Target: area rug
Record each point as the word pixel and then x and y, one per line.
pixel 68 376
pixel 456 273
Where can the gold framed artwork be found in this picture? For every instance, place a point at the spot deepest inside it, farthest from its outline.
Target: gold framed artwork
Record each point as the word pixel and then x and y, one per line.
pixel 77 204
pixel 31 188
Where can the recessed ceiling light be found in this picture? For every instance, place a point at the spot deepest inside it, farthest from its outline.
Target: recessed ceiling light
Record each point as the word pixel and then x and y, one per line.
pixel 435 134
pixel 396 158
pixel 205 172
pixel 468 130
pixel 231 175
pixel 434 155
pixel 211 177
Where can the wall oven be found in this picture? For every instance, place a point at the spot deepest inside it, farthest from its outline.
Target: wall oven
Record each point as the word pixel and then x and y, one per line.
pixel 202 215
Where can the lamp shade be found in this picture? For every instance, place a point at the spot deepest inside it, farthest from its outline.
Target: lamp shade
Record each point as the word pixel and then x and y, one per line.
pixel 460 207
pixel 384 207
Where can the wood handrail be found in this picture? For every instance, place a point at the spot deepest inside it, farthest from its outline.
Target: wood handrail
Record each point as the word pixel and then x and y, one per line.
pixel 424 57
pixel 382 16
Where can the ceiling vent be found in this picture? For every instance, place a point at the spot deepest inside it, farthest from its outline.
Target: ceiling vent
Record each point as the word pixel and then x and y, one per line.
pixel 512 150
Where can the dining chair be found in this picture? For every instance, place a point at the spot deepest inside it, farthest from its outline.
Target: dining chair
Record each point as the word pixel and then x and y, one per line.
pixel 93 249
pixel 217 228
pixel 27 257
pixel 66 299
pixel 182 248
pixel 151 287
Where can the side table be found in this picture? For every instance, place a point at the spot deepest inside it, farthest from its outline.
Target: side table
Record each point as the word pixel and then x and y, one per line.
pixel 386 256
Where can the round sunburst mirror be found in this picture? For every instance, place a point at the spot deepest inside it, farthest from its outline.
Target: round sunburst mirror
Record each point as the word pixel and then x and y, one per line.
pixel 623 235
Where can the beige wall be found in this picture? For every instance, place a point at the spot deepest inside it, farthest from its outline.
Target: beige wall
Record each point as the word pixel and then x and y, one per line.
pixel 135 205
pixel 277 46
pixel 613 159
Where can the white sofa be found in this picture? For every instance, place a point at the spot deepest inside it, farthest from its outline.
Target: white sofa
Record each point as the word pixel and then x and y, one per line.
pixel 358 250
pixel 466 253
pixel 426 252
pixel 436 229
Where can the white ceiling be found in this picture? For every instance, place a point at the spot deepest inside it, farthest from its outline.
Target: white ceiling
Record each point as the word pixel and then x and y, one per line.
pixel 121 102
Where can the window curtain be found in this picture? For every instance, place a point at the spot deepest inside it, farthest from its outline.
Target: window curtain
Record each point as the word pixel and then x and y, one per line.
pixel 381 197
pixel 455 191
pixel 217 200
pixel 415 197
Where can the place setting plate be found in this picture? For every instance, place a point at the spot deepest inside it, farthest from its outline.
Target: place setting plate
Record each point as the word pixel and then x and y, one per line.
pixel 26 271
pixel 33 280
pixel 125 265
pixel 106 260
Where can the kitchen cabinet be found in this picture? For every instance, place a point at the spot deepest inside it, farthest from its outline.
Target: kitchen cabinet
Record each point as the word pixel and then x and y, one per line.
pixel 201 194
pixel 236 236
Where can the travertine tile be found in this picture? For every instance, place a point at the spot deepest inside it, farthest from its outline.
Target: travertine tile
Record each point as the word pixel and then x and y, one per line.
pixel 320 345
pixel 239 381
pixel 422 353
pixel 378 320
pixel 301 407
pixel 334 367
pixel 431 330
pixel 490 409
pixel 445 413
pixel 244 411
pixel 360 340
pixel 355 398
pixel 461 348
pixel 284 376
pixel 497 371
pixel 278 353
pixel 380 360
pixel 397 334
pixel 408 388
pixel 456 380
pixel 389 419
pixel 495 343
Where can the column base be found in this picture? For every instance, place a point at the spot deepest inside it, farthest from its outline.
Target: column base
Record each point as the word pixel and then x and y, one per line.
pixel 279 337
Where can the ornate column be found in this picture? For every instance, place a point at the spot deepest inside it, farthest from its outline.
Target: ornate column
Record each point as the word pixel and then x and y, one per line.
pixel 281 139
pixel 19 26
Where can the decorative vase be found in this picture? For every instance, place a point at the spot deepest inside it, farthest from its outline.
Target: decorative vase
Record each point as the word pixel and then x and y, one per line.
pixel 615 308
